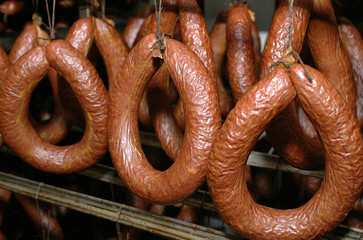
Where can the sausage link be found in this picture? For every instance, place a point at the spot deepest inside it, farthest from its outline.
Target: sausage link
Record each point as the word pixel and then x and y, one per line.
pixel 240 55
pixel 202 122
pixel 195 36
pixel 11 7
pixel 56 129
pixel 328 52
pixel 143 29
pixel 353 43
pixel 168 20
pixel 134 24
pixel 284 132
pixel 111 47
pixel 16 91
pixel 256 46
pixel 158 92
pixel 277 43
pixel 343 145
pixel 41 217
pixel 23 43
pixel 80 36
pixel 189 214
pixel 218 40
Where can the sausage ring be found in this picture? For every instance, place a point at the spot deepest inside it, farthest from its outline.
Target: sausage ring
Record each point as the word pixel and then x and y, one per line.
pixel 343 145
pixel 15 93
pixel 203 119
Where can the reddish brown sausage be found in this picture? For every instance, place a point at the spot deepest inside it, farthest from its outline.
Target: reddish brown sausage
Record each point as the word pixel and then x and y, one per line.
pixel 277 42
pixel 24 42
pixel 158 91
pixel 202 121
pixel 134 24
pixel 16 91
pixel 195 36
pixel 343 144
pixel 80 36
pixel 328 52
pixel 167 24
pixel 41 218
pixel 111 47
pixel 11 7
pixel 189 214
pixel 353 43
pixel 143 29
pixel 284 132
pixel 240 55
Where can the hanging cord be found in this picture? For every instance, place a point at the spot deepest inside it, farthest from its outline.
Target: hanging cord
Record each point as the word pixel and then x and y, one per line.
pixel 43 231
pixel 103 9
pixel 118 227
pixel 288 64
pixel 51 21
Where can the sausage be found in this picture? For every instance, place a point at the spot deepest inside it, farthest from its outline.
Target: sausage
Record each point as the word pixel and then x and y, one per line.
pixel 167 24
pixel 11 7
pixel 80 36
pixel 353 44
pixel 134 24
pixel 23 43
pixel 56 129
pixel 240 55
pixel 284 132
pixel 111 47
pixel 202 122
pixel 328 52
pixel 22 78
pixel 31 36
pixel 143 29
pixel 195 36
pixel 189 214
pixel 343 145
pixel 166 128
pixel 158 91
pixel 277 43
pixel 256 46
pixel 131 233
pixel 41 218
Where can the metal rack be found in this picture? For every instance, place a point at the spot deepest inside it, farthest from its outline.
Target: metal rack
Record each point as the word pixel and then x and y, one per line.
pixel 161 225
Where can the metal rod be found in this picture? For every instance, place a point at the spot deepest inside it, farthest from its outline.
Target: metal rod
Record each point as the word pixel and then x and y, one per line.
pixel 161 225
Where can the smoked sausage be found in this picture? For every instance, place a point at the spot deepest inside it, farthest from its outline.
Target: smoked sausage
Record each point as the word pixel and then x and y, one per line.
pixel 202 122
pixel 80 36
pixel 195 36
pixel 240 55
pixel 328 52
pixel 284 132
pixel 353 43
pixel 111 47
pixel 31 36
pixel 343 144
pixel 41 218
pixel 134 24
pixel 15 92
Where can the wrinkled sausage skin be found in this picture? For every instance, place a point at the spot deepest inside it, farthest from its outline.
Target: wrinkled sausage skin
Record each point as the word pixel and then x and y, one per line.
pixel 240 55
pixel 18 133
pixel 353 43
pixel 343 145
pixel 202 122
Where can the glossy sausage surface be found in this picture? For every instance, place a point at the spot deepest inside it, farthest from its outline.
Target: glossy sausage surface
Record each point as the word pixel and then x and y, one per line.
pixel 202 122
pixel 16 91
pixel 343 145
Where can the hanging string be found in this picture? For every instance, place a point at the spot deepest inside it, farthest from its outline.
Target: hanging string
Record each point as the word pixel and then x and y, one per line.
pixel 38 209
